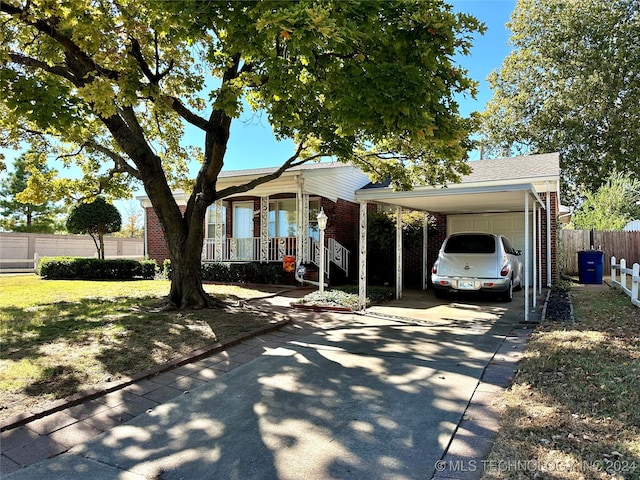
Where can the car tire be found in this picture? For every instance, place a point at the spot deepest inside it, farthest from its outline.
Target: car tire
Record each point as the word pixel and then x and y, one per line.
pixel 508 295
pixel 518 287
pixel 441 293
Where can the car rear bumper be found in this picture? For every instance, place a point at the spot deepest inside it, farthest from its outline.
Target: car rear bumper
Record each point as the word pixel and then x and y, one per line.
pixel 470 284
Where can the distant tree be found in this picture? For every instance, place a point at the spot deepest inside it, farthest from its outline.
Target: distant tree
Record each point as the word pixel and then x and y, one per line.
pixel 18 214
pixel 571 85
pixel 611 207
pixel 132 225
pixel 95 219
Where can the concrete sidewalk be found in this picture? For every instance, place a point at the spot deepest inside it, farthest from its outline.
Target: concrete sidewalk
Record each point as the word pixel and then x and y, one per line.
pixel 328 396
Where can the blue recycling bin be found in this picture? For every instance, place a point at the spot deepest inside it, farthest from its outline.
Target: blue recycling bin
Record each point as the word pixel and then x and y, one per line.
pixel 590 266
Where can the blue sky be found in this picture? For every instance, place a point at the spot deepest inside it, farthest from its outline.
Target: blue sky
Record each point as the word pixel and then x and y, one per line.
pixel 252 144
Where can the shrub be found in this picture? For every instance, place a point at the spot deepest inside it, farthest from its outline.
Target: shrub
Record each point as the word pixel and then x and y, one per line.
pixel 331 298
pixel 262 273
pixel 61 268
pixel 166 269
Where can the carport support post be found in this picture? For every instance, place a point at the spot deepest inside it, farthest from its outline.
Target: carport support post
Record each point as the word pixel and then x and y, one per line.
pixel 398 253
pixel 526 256
pixel 425 251
pixel 535 255
pixel 362 269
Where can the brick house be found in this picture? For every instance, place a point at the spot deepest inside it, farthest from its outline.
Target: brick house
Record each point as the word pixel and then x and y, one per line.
pixel 277 219
pixel 516 197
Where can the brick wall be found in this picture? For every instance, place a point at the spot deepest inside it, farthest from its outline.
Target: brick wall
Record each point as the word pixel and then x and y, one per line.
pixel 156 245
pixel 412 265
pixel 542 246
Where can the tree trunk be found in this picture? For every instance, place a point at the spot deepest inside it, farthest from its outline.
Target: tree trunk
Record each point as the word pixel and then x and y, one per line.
pixel 101 248
pixel 185 250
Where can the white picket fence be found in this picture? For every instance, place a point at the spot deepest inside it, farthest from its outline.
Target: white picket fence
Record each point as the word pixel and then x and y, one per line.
pixel 634 272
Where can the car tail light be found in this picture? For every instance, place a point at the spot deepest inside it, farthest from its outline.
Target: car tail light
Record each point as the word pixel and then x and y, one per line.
pixel 505 270
pixel 434 269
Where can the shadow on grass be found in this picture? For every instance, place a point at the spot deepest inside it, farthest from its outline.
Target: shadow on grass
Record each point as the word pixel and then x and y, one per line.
pixel 575 401
pixel 77 345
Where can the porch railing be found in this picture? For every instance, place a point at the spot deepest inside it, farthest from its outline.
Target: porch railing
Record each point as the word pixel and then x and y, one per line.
pixel 334 253
pixel 248 250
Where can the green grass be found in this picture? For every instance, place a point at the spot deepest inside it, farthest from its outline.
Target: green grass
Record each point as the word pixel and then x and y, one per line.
pixel 575 403
pixel 60 337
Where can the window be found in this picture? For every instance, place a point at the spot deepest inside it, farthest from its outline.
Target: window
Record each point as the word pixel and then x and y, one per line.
pixel 508 247
pixel 212 221
pixel 470 243
pixel 283 218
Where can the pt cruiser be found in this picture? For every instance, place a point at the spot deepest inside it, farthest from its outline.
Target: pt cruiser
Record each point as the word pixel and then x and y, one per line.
pixel 477 262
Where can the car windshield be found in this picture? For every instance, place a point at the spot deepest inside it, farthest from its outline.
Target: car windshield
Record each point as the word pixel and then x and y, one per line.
pixel 470 244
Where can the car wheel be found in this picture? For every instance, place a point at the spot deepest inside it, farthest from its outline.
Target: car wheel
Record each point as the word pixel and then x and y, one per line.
pixel 508 295
pixel 440 293
pixel 518 287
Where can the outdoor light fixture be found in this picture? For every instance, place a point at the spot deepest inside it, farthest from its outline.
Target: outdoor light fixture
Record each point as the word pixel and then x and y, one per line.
pixel 322 225
pixel 322 220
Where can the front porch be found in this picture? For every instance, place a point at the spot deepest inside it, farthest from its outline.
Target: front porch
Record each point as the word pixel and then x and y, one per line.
pixel 257 249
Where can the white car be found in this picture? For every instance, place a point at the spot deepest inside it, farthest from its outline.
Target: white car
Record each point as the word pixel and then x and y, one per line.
pixel 477 261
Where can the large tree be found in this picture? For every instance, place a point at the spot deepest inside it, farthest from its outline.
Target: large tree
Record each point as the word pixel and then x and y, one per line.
pixel 18 214
pixel 571 84
pixel 115 83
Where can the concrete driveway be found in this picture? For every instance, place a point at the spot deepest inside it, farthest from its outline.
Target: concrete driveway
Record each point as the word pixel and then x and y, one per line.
pixel 364 396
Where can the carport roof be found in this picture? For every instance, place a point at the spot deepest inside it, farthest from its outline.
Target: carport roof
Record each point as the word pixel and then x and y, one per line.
pixel 493 186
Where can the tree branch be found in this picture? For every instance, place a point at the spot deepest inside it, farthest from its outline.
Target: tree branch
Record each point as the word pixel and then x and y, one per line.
pixel 49 29
pixel 186 114
pixel 291 162
pixel 121 165
pixel 32 62
pixel 154 78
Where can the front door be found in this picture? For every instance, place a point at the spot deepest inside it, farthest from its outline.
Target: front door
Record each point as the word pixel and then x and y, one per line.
pixel 242 242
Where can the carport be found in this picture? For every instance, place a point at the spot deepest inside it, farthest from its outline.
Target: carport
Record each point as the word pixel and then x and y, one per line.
pixel 495 187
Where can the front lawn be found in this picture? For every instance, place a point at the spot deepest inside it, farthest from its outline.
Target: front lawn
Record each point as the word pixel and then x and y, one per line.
pixel 59 337
pixel 574 409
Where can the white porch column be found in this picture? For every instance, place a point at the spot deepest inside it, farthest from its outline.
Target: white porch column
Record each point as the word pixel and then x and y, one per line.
pixel 362 268
pixel 526 256
pixel 264 229
pixel 303 235
pixel 218 230
pixel 398 253
pixel 302 222
pixel 425 251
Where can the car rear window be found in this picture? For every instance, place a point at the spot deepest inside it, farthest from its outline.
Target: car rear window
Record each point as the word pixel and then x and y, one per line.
pixel 470 244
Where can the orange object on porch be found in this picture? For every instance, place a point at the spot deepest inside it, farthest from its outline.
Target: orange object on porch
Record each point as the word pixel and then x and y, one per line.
pixel 289 263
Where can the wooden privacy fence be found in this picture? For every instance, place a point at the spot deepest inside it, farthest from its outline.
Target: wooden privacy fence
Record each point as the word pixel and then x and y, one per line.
pixel 614 244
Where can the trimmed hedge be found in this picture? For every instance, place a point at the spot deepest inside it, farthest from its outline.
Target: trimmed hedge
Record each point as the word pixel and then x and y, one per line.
pixel 65 268
pixel 262 273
